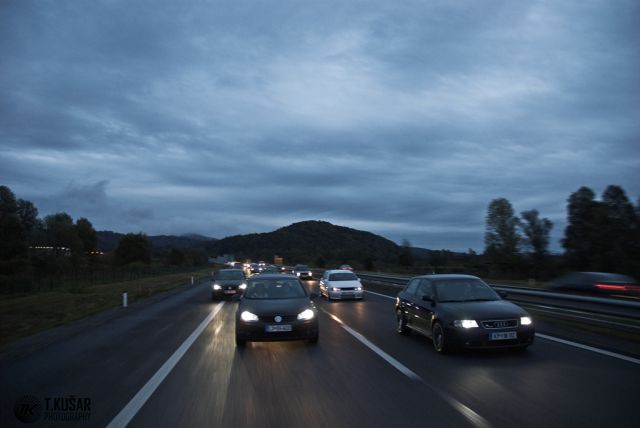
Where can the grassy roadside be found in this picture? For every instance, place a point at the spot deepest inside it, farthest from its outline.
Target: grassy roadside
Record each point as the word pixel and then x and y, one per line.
pixel 25 315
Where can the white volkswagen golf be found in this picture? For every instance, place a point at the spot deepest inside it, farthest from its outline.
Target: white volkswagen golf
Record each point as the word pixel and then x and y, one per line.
pixel 341 284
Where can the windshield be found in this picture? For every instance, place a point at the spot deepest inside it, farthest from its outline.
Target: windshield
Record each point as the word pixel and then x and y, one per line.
pixel 346 276
pixel 230 274
pixel 274 289
pixel 463 290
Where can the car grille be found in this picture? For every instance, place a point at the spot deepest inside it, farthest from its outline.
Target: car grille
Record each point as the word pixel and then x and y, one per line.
pixel 285 318
pixel 500 323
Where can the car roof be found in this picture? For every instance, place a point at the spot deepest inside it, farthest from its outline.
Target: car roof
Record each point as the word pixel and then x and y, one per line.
pixel 447 276
pixel 338 271
pixel 263 276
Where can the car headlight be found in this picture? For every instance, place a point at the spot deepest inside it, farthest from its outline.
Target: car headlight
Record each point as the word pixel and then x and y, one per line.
pixel 306 315
pixel 465 323
pixel 335 289
pixel 358 288
pixel 217 287
pixel 242 286
pixel 248 316
pixel 298 273
pixel 525 321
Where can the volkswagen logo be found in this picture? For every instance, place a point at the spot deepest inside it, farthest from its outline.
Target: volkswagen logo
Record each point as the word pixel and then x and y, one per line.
pixel 277 318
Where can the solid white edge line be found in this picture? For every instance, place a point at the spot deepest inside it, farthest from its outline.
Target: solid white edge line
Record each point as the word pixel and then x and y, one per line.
pixel 131 409
pixel 566 342
pixel 590 348
pixel 467 412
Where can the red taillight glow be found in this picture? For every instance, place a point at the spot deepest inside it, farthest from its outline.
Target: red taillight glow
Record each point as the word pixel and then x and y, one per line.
pixel 618 287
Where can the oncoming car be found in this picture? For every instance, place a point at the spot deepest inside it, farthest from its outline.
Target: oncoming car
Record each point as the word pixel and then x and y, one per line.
pixel 340 284
pixel 276 307
pixel 303 272
pixel 228 283
pixel 461 311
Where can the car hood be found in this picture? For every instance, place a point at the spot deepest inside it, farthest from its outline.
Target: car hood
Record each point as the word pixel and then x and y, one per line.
pixel 344 284
pixel 482 310
pixel 275 306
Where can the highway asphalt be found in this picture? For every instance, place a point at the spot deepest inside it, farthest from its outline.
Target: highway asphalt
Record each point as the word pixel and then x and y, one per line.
pixel 146 367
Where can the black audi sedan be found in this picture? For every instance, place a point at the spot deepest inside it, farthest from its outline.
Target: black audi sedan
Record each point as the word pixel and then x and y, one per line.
pixel 276 307
pixel 461 311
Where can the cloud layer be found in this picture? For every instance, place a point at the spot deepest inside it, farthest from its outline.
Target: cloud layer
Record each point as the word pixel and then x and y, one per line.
pixel 405 119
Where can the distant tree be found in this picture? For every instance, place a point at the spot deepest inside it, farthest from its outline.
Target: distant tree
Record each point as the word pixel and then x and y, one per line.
pixel 87 234
pixel 620 229
pixel 133 248
pixel 176 257
pixel 15 269
pixel 583 215
pixel 501 237
pixel 13 243
pixel 28 215
pixel 405 257
pixel 536 231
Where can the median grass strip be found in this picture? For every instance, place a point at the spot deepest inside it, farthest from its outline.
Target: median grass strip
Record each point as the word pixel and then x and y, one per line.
pixel 29 314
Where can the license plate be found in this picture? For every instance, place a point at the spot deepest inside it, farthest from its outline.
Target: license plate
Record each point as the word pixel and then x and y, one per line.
pixel 506 335
pixel 229 291
pixel 277 327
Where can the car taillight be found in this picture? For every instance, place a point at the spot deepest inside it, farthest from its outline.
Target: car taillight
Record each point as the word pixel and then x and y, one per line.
pixel 616 287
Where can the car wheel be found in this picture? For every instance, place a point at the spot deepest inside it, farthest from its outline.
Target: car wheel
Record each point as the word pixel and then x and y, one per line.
pixel 240 342
pixel 439 340
pixel 313 339
pixel 402 324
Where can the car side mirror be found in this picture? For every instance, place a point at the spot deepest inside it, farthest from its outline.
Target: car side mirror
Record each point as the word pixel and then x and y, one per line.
pixel 502 294
pixel 313 295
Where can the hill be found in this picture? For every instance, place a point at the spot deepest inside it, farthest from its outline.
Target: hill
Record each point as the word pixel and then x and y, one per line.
pixel 314 242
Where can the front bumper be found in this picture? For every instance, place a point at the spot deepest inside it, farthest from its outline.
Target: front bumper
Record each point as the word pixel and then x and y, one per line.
pixel 226 291
pixel 256 331
pixel 346 295
pixel 478 338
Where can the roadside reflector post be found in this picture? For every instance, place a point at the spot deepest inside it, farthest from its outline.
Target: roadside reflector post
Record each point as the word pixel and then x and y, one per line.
pixel 191 280
pixel 125 298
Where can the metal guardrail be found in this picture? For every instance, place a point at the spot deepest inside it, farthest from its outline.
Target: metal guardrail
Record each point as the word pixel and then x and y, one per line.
pixel 401 281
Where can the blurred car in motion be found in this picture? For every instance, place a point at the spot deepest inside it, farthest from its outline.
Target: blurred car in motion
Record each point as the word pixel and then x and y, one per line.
pixel 345 267
pixel 269 269
pixel 340 284
pixel 302 272
pixel 286 269
pixel 228 283
pixel 276 307
pixel 597 282
pixel 461 311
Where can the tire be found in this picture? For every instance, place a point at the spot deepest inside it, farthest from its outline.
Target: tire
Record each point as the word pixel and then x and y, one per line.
pixel 401 324
pixel 313 339
pixel 439 339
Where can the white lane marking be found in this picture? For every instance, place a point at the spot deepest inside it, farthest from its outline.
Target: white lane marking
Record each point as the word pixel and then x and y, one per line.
pixel 378 294
pixel 567 342
pixel 131 409
pixel 590 348
pixel 472 416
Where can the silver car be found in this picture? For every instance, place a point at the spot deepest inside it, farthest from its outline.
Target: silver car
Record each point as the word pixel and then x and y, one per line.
pixel 341 284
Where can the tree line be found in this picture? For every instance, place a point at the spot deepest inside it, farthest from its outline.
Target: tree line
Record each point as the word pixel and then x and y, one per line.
pixel 34 250
pixel 601 235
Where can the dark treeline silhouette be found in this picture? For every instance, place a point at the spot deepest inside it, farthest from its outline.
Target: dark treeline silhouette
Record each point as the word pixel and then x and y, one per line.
pixel 601 235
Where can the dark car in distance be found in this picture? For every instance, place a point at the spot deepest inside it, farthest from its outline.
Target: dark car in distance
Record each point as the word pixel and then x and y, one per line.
pixel 597 283
pixel 276 307
pixel 228 283
pixel 461 311
pixel 303 272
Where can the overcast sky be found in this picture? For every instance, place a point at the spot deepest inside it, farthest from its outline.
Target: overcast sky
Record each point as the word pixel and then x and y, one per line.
pixel 403 118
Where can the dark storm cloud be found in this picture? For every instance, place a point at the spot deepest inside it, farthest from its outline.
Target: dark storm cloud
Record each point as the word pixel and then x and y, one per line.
pixel 229 117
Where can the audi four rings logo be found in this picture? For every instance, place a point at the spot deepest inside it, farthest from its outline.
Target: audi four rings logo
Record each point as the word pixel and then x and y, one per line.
pixel 278 318
pixel 501 323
